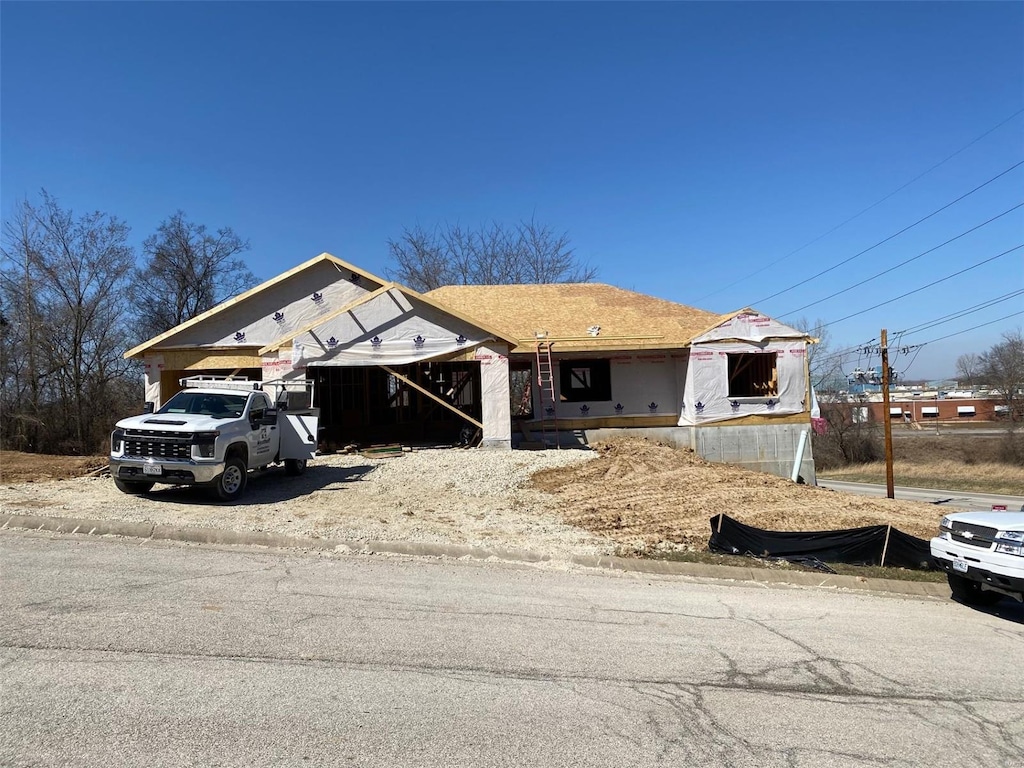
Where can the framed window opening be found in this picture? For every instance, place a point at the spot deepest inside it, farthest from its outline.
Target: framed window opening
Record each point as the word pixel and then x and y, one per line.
pixel 584 380
pixel 753 374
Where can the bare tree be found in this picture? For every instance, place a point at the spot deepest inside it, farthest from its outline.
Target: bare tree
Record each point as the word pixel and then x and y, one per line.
pixel 824 365
pixel 1002 367
pixel 188 270
pixel 968 369
pixel 850 437
pixel 496 254
pixel 65 296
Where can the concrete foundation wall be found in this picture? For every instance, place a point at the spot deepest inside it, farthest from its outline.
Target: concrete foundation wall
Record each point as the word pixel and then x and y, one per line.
pixel 767 448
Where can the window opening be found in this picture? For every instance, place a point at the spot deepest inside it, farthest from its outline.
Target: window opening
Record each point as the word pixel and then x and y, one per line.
pixel 753 374
pixel 585 380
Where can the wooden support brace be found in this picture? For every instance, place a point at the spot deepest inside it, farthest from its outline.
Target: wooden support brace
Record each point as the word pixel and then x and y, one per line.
pixel 432 396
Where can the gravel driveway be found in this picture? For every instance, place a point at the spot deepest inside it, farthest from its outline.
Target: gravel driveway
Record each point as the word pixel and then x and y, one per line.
pixel 470 497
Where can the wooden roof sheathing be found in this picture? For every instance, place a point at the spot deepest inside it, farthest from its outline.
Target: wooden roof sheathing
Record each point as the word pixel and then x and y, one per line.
pixel 565 312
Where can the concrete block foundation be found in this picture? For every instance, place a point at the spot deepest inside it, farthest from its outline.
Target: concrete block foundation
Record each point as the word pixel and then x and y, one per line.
pixel 767 448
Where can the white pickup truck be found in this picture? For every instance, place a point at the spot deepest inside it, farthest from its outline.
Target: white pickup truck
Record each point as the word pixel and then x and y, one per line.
pixel 982 554
pixel 210 436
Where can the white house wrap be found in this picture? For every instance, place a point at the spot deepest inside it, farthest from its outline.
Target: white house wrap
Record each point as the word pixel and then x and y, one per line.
pixel 748 365
pixel 391 329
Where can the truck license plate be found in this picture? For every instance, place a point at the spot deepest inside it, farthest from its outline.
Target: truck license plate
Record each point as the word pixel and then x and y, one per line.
pixel 156 469
pixel 960 565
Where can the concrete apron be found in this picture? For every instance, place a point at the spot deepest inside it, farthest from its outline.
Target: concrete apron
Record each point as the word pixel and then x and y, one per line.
pixel 148 531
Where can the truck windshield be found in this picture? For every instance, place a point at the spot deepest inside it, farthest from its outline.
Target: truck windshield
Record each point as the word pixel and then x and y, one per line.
pixel 206 404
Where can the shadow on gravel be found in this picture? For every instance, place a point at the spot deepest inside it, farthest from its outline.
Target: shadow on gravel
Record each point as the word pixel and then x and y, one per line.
pixel 267 487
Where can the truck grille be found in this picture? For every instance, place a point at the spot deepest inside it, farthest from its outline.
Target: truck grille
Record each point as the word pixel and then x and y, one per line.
pixel 973 535
pixel 149 443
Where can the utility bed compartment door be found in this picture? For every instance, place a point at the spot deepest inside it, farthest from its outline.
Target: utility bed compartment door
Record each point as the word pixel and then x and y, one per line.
pixel 298 436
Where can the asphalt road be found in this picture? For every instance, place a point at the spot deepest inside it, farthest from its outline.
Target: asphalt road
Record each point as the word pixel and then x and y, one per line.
pixel 122 653
pixel 952 499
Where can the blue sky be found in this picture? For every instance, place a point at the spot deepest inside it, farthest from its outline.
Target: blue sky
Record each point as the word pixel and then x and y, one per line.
pixel 687 148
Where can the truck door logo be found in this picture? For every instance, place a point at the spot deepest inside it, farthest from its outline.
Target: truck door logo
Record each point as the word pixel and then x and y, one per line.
pixel 263 441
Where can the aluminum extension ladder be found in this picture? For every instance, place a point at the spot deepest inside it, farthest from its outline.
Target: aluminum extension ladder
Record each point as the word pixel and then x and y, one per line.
pixel 546 387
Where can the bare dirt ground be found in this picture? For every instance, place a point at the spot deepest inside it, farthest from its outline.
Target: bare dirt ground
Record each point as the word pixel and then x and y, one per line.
pixel 645 495
pixel 628 497
pixel 17 467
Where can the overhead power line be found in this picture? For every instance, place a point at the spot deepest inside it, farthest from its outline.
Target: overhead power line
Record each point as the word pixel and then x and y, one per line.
pixel 974 327
pixel 890 237
pixel 894 267
pixel 960 313
pixel 929 285
pixel 861 348
pixel 857 215
pixel 870 346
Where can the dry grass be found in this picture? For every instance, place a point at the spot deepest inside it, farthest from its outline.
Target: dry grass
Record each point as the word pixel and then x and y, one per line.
pixel 946 474
pixel 740 561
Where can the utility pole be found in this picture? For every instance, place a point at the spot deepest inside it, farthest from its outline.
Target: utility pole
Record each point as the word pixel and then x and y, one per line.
pixel 887 417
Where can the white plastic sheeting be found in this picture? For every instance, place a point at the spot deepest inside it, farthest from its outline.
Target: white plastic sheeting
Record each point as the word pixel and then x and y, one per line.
pixel 494 386
pixel 642 384
pixel 750 326
pixel 706 396
pixel 391 329
pixel 153 364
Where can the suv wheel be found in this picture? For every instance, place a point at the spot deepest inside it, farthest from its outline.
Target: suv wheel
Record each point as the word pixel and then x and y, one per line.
pixel 231 483
pixel 970 592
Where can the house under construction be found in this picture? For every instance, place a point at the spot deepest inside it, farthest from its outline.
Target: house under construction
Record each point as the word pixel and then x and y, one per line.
pixel 504 366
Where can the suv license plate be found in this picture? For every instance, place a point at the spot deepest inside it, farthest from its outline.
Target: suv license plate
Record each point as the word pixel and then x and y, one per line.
pixel 156 469
pixel 960 565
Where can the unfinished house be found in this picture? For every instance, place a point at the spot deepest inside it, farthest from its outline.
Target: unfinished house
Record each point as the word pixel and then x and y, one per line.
pixel 385 364
pixel 592 361
pixel 505 366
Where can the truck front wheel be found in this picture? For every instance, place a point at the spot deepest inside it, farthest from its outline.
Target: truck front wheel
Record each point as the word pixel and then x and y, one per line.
pixel 231 483
pixel 294 466
pixel 133 487
pixel 970 592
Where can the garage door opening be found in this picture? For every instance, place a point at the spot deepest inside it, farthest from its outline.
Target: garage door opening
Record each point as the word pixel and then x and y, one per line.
pixel 370 406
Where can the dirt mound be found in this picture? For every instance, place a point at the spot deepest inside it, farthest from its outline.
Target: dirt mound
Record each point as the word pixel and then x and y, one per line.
pixel 645 494
pixel 16 467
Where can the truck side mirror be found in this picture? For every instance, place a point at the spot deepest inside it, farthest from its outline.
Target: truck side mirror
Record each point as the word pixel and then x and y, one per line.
pixel 269 417
pixel 148 407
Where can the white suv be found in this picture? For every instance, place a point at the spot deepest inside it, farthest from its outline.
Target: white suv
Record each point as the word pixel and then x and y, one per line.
pixel 982 554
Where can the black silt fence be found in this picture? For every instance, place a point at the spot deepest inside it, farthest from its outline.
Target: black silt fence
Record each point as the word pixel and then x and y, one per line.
pixel 854 546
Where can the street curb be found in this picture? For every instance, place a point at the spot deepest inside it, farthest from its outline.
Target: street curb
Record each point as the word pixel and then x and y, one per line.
pixel 457 551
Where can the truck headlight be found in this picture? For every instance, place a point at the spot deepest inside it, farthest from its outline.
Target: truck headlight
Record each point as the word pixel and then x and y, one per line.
pixel 116 441
pixel 1010 542
pixel 205 444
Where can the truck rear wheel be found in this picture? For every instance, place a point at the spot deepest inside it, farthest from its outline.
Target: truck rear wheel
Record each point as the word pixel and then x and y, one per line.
pixel 133 487
pixel 970 592
pixel 231 483
pixel 294 467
